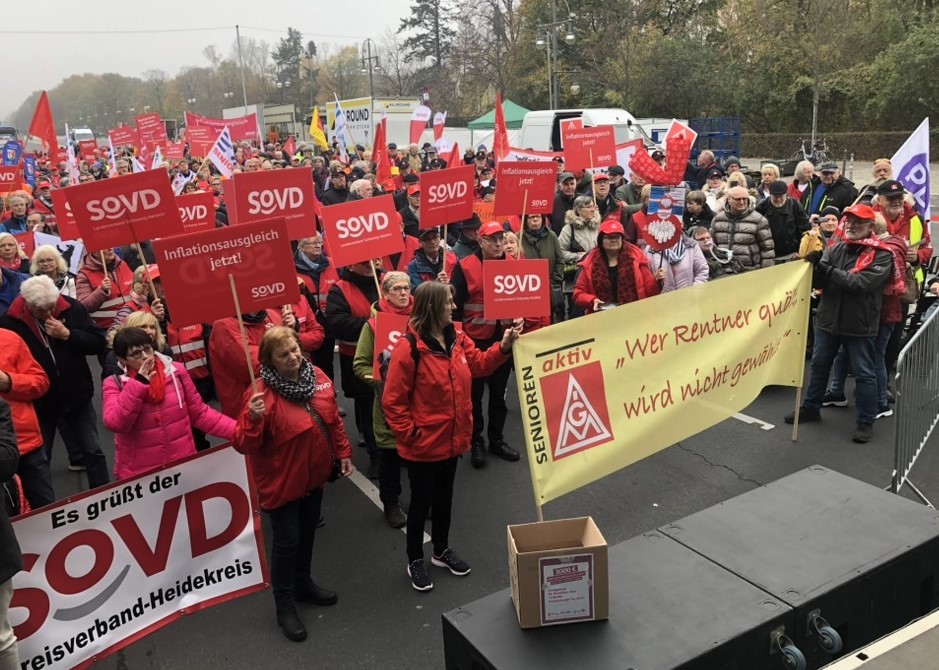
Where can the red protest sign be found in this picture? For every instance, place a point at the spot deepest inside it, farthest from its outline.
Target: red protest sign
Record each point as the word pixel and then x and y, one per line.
pixel 150 128
pixel 361 230
pixel 241 127
pixel 174 151
pixel 268 193
pixel 10 179
pixel 389 328
pixel 26 242
pixel 201 139
pixel 113 212
pixel 64 221
pixel 123 136
pixel 194 269
pixel 88 149
pixel 525 187
pixel 197 211
pixel 586 148
pixel 516 289
pixel 446 196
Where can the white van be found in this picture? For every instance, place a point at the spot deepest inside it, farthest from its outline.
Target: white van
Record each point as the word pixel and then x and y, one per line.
pixel 541 130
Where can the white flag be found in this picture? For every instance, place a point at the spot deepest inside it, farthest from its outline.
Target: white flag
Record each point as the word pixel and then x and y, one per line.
pixel 113 159
pixel 911 168
pixel 222 154
pixel 180 181
pixel 341 130
pixel 136 165
pixel 71 160
pixel 157 160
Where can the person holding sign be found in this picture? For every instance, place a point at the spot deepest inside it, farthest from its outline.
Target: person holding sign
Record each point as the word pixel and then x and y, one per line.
pixel 295 442
pixel 103 286
pixel 395 300
pixel 152 407
pixel 427 405
pixel 430 262
pixel 539 241
pixel 467 281
pixel 615 273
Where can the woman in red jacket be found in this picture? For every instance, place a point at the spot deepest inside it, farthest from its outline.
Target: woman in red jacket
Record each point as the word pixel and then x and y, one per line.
pixel 428 405
pixel 293 436
pixel 614 273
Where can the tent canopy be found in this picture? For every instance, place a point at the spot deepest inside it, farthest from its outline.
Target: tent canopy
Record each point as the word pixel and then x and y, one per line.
pixel 513 117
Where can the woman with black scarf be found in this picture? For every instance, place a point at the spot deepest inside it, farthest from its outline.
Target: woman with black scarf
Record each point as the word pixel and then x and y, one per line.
pixel 292 434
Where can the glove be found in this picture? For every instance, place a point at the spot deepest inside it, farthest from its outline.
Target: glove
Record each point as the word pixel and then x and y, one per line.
pixel 813 257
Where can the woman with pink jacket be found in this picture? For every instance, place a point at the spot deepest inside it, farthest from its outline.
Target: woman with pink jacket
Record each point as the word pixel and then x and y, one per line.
pixel 152 407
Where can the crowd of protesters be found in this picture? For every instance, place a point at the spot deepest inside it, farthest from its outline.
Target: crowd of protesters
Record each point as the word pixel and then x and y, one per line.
pixel 157 377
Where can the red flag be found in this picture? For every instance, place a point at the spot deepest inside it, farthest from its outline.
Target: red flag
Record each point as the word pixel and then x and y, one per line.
pixel 454 159
pixel 290 148
pixel 43 127
pixel 500 141
pixel 380 152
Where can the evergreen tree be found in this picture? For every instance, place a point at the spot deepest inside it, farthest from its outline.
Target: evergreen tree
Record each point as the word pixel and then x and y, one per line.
pixel 432 24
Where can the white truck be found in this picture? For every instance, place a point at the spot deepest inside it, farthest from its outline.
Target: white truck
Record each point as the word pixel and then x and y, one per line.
pixel 541 130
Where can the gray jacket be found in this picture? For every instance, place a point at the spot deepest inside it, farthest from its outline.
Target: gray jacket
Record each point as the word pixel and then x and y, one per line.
pixel 748 235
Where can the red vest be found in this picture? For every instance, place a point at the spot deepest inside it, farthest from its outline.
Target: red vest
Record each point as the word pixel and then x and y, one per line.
pixel 359 306
pixel 328 277
pixel 474 323
pixel 122 280
pixel 188 345
pixel 411 244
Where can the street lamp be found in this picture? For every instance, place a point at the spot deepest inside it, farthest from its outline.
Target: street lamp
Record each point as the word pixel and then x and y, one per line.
pixel 192 102
pixel 284 85
pixel 548 37
pixel 229 94
pixel 370 63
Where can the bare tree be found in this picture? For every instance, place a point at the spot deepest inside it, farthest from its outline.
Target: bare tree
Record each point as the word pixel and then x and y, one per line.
pixel 397 72
pixel 156 81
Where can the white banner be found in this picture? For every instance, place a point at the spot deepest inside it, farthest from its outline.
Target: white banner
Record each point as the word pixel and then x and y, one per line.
pixel 911 168
pixel 112 565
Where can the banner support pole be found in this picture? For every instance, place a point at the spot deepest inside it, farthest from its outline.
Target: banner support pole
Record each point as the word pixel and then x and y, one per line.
pixel 593 181
pixel 244 335
pixel 795 416
pixel 538 509
pixel 375 277
pixel 143 261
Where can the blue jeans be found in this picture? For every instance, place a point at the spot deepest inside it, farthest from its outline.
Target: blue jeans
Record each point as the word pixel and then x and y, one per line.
pixel 839 372
pixel 883 339
pixel 293 528
pixel 79 430
pixel 861 354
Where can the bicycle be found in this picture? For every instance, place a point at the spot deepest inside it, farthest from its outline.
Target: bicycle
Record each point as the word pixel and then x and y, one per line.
pixel 819 153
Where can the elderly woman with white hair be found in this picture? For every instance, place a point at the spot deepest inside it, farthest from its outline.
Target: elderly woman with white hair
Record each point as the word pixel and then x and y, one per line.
pixel 61 335
pixel 48 261
pixel 801 187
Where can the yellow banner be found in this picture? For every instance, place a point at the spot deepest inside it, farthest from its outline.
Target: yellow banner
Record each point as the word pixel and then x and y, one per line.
pixel 604 391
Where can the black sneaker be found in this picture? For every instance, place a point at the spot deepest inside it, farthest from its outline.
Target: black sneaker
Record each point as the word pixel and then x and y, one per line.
pixel 885 410
pixel 503 451
pixel 863 433
pixel 834 400
pixel 450 560
pixel 806 415
pixel 420 578
pixel 478 455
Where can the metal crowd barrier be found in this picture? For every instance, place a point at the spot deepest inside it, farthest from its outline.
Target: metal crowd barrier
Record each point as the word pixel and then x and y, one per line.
pixel 917 401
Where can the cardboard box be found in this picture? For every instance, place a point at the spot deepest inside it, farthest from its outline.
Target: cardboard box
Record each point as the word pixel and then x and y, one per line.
pixel 559 572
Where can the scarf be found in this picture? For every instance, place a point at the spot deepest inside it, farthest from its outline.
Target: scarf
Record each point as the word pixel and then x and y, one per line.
pixel 254 317
pixel 313 266
pixel 677 252
pixel 897 285
pixel 12 264
pixel 625 279
pixel 299 391
pixel 156 386
pixel 388 308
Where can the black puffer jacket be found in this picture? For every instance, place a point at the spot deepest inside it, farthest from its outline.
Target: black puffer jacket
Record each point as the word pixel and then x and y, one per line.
pixel 748 235
pixel 851 301
pixel 11 561
pixel 787 224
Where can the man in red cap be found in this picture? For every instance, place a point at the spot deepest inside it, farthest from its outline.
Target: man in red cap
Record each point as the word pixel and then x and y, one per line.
pixel 467 281
pixel 411 213
pixel 42 201
pixel 853 274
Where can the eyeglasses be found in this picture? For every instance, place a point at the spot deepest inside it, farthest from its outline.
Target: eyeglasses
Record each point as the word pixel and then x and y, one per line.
pixel 739 199
pixel 312 244
pixel 147 350
pixel 399 289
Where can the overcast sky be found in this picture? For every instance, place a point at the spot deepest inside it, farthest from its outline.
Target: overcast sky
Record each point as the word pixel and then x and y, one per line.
pixel 129 41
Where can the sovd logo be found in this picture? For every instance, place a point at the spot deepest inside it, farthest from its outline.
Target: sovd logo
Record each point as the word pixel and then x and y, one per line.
pixel 356 226
pixel 440 193
pixel 117 207
pixel 266 290
pixel 7 176
pixel 270 201
pixel 196 213
pixel 513 284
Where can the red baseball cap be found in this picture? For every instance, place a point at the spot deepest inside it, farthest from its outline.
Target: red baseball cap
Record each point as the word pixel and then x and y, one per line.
pixel 861 211
pixel 491 228
pixel 44 184
pixel 611 227
pixel 601 176
pixel 416 188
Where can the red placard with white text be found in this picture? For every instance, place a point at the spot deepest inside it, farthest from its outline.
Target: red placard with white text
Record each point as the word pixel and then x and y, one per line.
pixel 194 269
pixel 389 328
pixel 123 137
pixel 241 127
pixel 201 139
pixel 586 148
pixel 174 151
pixel 130 557
pixel 446 196
pixel 525 187
pixel 26 242
pixel 268 193
pixel 64 221
pixel 88 150
pixel 575 123
pixel 10 179
pixel 114 212
pixel 150 130
pixel 197 211
pixel 360 230
pixel 516 289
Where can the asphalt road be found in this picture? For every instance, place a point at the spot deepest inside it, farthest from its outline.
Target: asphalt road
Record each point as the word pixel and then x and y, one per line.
pixel 381 622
